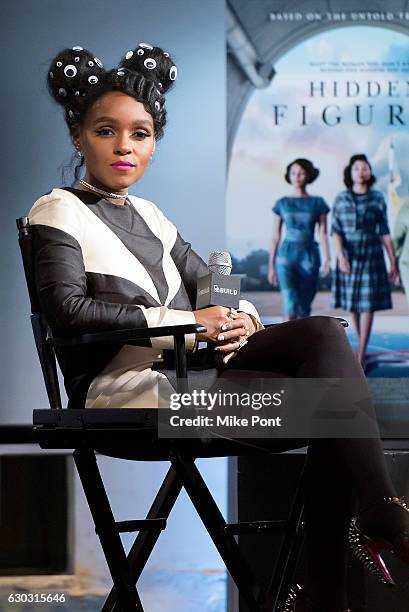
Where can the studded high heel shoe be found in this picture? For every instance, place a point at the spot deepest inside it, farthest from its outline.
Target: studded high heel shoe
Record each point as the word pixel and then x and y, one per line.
pixel 368 548
pixel 298 601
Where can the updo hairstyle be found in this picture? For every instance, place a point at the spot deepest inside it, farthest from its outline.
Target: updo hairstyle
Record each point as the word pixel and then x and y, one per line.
pixel 76 79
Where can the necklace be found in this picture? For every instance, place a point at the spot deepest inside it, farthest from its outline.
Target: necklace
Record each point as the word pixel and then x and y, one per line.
pixel 102 192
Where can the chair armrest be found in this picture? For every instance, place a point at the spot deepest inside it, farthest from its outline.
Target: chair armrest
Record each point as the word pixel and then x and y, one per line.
pixel 343 322
pixel 119 336
pixel 126 336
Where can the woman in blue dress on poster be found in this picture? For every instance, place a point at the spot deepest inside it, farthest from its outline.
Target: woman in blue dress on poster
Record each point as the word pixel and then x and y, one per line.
pixel 360 228
pixel 295 264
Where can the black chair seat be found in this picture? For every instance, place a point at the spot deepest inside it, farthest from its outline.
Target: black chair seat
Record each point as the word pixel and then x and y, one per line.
pixel 124 434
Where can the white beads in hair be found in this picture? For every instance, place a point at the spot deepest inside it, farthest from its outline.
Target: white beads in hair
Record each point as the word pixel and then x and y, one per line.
pixel 173 73
pixel 157 106
pixel 150 63
pixel 76 59
pixel 140 52
pixel 59 64
pixel 70 71
pixel 145 46
pixel 90 63
pixel 71 114
pixel 78 49
pixel 92 80
pixel 51 75
pixel 120 72
pixel 129 55
pixel 166 54
pixel 62 92
pixel 98 62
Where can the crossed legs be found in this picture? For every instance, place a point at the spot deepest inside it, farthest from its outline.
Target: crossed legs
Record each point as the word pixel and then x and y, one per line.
pixel 340 471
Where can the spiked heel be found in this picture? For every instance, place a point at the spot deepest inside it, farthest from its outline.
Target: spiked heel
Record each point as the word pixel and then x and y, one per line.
pixel 298 601
pixel 293 595
pixel 368 551
pixel 368 548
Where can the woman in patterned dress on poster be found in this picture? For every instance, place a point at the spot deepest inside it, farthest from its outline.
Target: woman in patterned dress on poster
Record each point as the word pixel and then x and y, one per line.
pixel 360 228
pixel 295 264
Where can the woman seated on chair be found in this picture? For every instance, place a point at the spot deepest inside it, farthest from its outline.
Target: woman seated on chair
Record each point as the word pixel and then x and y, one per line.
pixel 106 260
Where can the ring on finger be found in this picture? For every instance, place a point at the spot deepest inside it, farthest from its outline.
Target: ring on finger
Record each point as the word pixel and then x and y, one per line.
pixel 233 314
pixel 242 342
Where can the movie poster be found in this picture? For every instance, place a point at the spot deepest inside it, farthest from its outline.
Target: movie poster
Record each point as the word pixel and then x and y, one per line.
pixel 339 86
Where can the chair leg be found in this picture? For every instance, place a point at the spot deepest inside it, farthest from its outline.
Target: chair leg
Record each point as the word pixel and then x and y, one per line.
pixel 146 540
pixel 289 552
pixel 215 524
pixel 106 529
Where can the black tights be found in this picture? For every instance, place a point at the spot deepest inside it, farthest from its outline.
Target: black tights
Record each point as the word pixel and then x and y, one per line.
pixel 340 472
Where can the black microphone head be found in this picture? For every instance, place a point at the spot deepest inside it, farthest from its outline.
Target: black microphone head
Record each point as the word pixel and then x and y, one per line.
pixel 220 262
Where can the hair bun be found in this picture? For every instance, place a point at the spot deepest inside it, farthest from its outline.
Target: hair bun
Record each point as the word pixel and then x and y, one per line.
pixel 153 63
pixel 74 74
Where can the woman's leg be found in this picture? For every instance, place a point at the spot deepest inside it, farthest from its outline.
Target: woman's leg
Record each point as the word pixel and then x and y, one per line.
pixel 367 320
pixel 329 506
pixel 287 285
pixel 356 324
pixel 317 347
pixel 309 268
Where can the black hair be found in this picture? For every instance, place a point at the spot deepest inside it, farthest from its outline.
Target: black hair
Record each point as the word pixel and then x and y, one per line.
pixel 311 171
pixel 347 170
pixel 76 79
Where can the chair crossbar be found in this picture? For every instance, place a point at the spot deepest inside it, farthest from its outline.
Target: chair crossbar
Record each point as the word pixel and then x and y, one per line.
pixel 146 540
pixel 140 525
pixel 253 527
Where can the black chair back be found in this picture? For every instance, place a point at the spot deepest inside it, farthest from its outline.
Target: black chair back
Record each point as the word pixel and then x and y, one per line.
pixel 41 331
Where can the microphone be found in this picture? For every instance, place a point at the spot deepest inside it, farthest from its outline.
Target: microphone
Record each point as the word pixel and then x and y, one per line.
pixel 218 287
pixel 220 262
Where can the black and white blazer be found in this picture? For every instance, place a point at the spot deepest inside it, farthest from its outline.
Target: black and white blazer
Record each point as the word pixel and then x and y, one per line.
pixel 100 266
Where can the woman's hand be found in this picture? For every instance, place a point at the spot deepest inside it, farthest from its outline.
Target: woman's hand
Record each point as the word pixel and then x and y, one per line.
pixel 272 276
pixel 212 318
pixel 325 267
pixel 233 335
pixel 237 330
pixel 224 330
pixel 249 324
pixel 344 264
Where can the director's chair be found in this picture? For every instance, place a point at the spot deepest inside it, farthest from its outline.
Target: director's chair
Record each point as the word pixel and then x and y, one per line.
pixel 132 434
